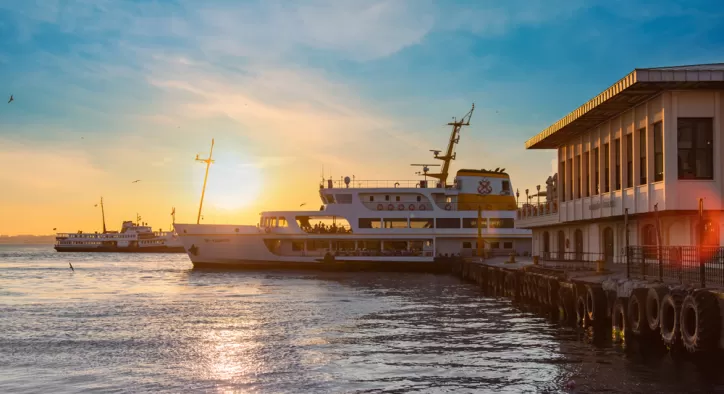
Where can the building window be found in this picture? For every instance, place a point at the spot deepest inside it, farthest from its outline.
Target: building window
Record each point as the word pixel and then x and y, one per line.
pixel 578 177
pixel 617 164
pixel 606 166
pixel 658 152
pixel 595 172
pixel 695 142
pixel 570 178
pixel 467 245
pixel 495 245
pixel 586 165
pixel 642 156
pixel 562 181
pixel 629 160
pixel 507 245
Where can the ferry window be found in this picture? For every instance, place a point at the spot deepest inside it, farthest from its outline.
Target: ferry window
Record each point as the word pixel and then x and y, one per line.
pixel 447 223
pixel 369 223
pixel 642 156
pixel 467 245
pixel 387 198
pixel 297 246
pixel 629 160
pixel 495 245
pixel 606 166
pixel 658 152
pixel 282 222
pixel 395 223
pixel 397 198
pixel 507 245
pixel 419 198
pixel 473 223
pixel 372 198
pixel 696 148
pixel 422 223
pixel 317 244
pixel 617 162
pixel 344 198
pixel 501 223
pixel 506 186
pixel 330 198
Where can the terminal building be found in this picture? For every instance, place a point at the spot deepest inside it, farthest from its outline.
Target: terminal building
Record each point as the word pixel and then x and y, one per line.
pixel 649 146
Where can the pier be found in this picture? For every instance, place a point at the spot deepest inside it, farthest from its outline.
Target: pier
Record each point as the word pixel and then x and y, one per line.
pixel 666 306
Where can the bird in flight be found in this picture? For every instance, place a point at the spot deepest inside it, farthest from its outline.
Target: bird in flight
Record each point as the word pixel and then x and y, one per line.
pixel 11 99
pixel 136 181
pixel 302 204
pixel 71 266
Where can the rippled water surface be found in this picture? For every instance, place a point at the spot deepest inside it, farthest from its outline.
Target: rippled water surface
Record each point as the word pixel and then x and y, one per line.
pixel 149 323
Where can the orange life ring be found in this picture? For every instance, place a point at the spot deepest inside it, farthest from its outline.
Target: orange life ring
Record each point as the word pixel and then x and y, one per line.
pixel 380 207
pixel 390 207
pixel 401 207
pixel 411 207
pixel 448 206
pixel 422 207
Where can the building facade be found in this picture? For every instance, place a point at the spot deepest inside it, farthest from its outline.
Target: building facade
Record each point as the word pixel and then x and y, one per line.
pixel 649 146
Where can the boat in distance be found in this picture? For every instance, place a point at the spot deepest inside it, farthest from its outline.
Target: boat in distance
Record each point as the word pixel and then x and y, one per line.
pixel 376 225
pixel 133 238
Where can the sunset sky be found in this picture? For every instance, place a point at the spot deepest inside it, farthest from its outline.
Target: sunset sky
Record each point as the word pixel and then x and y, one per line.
pixel 110 91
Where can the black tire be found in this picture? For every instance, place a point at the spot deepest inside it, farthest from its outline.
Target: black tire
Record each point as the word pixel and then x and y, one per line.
pixel 610 300
pixel 669 315
pixel 581 313
pixel 636 312
pixel 654 299
pixel 566 303
pixel 596 303
pixel 700 322
pixel 552 291
pixel 619 319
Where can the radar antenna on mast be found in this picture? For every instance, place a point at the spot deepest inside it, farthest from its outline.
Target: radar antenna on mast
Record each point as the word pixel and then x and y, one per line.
pixel 450 152
pixel 425 169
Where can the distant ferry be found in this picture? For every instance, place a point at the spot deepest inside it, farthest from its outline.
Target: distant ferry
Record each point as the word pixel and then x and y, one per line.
pixel 376 224
pixel 133 238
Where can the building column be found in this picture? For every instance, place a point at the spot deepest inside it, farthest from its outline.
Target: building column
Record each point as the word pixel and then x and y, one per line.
pixel 669 134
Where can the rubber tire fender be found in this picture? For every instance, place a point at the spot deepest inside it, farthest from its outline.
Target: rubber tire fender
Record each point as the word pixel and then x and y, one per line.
pixel 552 291
pixel 669 317
pixel 702 334
pixel 654 300
pixel 581 315
pixel 636 312
pixel 596 303
pixel 619 319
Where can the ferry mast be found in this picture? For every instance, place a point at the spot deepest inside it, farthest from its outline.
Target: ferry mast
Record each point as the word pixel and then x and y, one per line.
pixel 208 162
pixel 450 152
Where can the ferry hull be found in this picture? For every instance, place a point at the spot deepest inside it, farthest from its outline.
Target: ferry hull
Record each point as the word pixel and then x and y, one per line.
pixel 337 265
pixel 111 249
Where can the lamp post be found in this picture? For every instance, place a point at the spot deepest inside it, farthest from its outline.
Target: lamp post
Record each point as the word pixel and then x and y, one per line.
pixel 517 194
pixel 538 188
pixel 527 197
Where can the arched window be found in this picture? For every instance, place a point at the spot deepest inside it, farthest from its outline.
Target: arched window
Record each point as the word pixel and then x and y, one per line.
pixel 578 244
pixel 561 245
pixel 546 246
pixel 710 234
pixel 648 235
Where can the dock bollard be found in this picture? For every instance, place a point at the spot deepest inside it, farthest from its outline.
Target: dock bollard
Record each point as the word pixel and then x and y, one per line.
pixel 600 265
pixel 535 260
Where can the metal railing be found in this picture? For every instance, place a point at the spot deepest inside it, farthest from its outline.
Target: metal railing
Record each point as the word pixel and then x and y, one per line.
pixel 473 206
pixel 535 210
pixel 372 184
pixel 690 265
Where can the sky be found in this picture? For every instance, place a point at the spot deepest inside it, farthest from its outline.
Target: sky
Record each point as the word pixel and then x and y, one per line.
pixel 107 92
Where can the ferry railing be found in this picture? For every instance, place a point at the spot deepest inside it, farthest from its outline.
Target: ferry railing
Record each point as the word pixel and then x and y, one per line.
pixel 473 206
pixel 398 206
pixel 689 265
pixel 534 210
pixel 376 184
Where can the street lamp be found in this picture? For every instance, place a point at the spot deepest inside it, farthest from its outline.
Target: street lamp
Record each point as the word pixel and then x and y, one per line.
pixel 517 194
pixel 527 198
pixel 538 188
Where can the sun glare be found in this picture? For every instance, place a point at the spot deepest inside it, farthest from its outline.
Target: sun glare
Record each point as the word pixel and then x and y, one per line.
pixel 232 183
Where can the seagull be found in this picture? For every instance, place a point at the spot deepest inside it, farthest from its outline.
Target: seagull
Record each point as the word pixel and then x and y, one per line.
pixel 136 181
pixel 302 204
pixel 71 266
pixel 55 228
pixel 11 99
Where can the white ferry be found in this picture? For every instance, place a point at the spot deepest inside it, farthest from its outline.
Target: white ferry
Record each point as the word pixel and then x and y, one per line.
pixel 375 224
pixel 133 238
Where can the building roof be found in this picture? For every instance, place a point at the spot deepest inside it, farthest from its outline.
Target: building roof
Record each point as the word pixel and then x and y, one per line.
pixel 636 87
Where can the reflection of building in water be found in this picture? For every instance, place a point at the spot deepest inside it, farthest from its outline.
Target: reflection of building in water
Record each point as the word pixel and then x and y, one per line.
pixel 653 140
